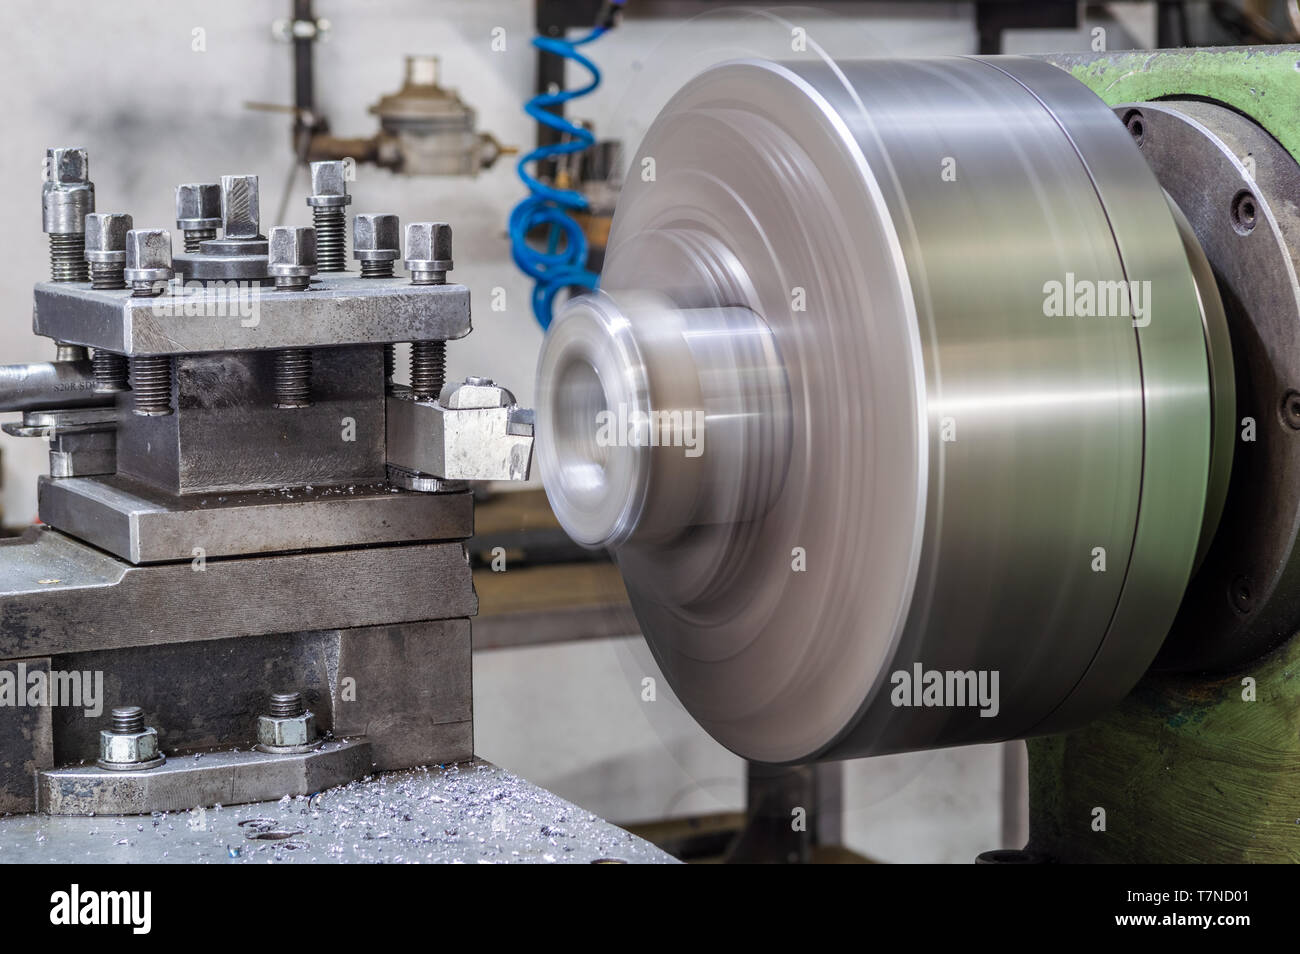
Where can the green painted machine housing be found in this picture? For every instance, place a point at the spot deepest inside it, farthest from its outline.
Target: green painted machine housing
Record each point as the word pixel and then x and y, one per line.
pixel 1262 82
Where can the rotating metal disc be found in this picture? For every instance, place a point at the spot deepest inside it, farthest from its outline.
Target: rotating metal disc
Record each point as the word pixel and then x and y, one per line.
pixel 867 279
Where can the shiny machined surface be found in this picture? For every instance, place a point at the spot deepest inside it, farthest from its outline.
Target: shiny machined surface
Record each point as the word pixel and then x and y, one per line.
pixel 960 457
pixel 473 431
pixel 144 525
pixel 634 356
pixel 47 385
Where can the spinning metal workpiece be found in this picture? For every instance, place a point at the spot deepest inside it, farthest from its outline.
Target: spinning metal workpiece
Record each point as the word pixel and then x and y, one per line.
pixel 964 393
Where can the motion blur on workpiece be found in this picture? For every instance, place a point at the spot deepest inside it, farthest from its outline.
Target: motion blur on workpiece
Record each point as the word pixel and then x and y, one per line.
pixel 616 431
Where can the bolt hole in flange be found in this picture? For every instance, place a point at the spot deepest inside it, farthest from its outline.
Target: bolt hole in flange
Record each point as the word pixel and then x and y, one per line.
pixel 1242 595
pixel 1245 212
pixel 1136 125
pixel 1290 409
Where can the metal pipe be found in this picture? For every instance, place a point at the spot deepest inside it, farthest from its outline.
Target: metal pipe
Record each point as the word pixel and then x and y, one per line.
pixel 362 149
pixel 45 385
pixel 304 86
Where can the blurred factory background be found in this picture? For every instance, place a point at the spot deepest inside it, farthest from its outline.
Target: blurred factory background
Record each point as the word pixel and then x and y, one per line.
pixel 168 92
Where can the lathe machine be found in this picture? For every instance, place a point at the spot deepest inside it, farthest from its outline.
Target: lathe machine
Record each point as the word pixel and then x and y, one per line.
pixel 923 403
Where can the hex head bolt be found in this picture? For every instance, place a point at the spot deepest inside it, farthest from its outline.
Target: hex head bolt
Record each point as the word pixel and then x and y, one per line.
pixel 198 213
pixel 148 268
pixel 329 201
pixel 292 256
pixel 376 243
pixel 428 260
pixel 292 262
pixel 106 254
pixel 428 252
pixel 105 250
pixel 128 744
pixel 148 261
pixel 67 197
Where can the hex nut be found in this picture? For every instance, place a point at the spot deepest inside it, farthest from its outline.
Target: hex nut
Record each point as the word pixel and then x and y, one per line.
pixel 329 184
pixel 128 749
pixel 290 732
pixel 106 237
pixel 376 237
pixel 198 206
pixel 292 251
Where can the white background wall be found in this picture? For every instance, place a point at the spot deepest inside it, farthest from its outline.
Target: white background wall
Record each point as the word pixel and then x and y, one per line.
pixel 122 78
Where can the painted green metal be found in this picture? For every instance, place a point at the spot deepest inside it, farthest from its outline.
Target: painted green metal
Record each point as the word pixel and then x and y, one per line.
pixel 1187 769
pixel 1263 82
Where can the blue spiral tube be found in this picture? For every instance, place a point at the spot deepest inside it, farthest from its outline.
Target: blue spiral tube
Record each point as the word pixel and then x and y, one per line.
pixel 547 207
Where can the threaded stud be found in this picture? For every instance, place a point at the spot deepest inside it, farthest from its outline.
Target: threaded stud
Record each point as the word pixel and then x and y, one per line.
pixel 68 257
pixel 293 378
pixel 193 238
pixel 376 269
pixel 128 720
pixel 428 368
pixel 106 276
pixel 331 238
pixel 151 385
pixel 287 705
pixel 110 371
